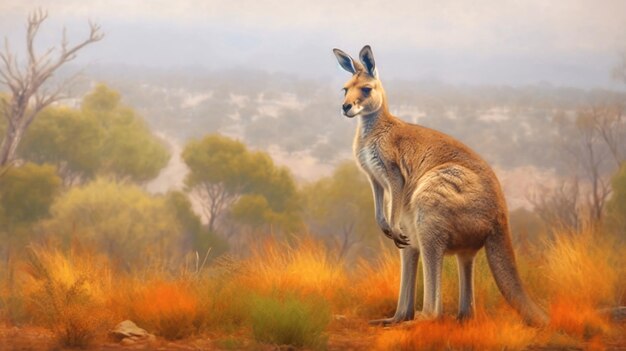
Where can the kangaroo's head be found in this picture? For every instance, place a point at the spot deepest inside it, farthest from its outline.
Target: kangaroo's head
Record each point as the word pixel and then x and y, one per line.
pixel 364 93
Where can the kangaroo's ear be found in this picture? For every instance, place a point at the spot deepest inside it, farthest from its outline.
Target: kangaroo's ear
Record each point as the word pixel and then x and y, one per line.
pixel 345 61
pixel 367 58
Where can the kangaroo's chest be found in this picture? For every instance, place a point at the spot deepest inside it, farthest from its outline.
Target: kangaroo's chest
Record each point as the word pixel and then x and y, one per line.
pixel 371 161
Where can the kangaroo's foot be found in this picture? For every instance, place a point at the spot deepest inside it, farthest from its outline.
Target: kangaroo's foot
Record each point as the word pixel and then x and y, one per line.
pixel 392 320
pixel 463 317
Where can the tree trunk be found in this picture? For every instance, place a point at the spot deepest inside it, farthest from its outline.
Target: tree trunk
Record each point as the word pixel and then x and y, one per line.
pixel 9 145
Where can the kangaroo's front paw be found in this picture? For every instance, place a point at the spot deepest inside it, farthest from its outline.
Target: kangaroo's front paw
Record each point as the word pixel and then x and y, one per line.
pixel 399 239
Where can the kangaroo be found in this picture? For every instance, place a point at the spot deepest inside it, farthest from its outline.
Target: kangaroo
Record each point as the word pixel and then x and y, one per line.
pixel 433 196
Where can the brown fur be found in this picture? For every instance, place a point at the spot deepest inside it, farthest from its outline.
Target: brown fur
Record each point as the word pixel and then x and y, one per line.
pixel 434 196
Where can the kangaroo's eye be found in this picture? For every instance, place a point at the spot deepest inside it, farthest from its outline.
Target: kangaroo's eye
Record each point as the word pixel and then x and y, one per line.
pixel 345 91
pixel 366 90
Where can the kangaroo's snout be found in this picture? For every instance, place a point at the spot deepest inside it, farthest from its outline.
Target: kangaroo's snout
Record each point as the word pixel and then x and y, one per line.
pixel 346 107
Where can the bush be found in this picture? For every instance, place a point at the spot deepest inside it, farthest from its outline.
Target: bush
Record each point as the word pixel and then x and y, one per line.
pixel 167 308
pixel 122 219
pixel 65 295
pixel 26 193
pixel 290 321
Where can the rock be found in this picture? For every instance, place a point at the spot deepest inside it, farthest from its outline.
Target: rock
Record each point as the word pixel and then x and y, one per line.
pixel 128 333
pixel 128 342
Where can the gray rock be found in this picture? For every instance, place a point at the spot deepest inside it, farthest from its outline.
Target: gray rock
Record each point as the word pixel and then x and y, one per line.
pixel 128 333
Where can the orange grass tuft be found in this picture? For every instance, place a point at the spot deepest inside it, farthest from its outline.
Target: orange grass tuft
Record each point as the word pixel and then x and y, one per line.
pixel 583 268
pixel 573 275
pixel 67 293
pixel 306 268
pixel 577 319
pixel 376 285
pixel 170 309
pixel 481 333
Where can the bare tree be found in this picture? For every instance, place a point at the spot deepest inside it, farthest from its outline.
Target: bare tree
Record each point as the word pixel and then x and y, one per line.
pixel 27 96
pixel 595 144
pixel 214 199
pixel 559 208
pixel 610 123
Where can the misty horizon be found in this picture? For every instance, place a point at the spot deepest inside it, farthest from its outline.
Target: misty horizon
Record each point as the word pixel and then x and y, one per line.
pixel 563 44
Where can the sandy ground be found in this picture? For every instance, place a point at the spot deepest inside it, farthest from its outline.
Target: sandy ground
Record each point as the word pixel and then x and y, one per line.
pixel 344 334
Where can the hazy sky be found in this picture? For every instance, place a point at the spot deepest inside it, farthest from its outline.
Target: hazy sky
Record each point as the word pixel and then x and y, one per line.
pixel 476 42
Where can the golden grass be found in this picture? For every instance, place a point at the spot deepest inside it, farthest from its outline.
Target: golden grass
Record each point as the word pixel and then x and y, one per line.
pixel 304 268
pixel 66 293
pixel 481 333
pixel 375 285
pixel 572 277
pixel 170 309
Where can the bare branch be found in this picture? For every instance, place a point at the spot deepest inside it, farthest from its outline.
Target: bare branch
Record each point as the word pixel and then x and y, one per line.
pixel 68 54
pixel 26 83
pixel 34 23
pixel 9 71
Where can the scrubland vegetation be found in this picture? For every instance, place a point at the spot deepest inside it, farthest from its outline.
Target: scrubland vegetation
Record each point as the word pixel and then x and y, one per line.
pixel 245 256
pixel 298 294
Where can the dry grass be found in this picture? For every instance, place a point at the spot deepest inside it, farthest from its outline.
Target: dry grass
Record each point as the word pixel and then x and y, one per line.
pixel 481 333
pixel 303 268
pixel 574 277
pixel 375 285
pixel 67 293
pixel 583 274
pixel 170 309
pixel 78 296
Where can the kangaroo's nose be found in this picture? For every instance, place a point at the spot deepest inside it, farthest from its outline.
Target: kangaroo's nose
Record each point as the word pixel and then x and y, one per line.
pixel 346 107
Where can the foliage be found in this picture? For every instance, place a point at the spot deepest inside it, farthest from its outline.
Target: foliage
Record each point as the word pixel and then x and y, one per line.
pixel 252 210
pixel 129 224
pixel 26 193
pixel 104 136
pixel 284 294
pixel 222 170
pixel 194 234
pixel 67 138
pixel 341 208
pixel 290 321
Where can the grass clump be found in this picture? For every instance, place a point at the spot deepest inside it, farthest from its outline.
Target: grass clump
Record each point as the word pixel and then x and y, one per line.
pixel 290 321
pixel 169 309
pixel 62 297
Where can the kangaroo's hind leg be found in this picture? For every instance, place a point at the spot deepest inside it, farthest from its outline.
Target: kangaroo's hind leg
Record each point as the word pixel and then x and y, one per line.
pixel 432 261
pixel 406 301
pixel 465 262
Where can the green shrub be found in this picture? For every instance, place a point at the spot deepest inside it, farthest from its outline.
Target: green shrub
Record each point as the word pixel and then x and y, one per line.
pixel 290 321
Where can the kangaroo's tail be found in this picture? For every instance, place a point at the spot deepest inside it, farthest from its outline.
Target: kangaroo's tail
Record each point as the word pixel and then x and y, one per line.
pixel 501 260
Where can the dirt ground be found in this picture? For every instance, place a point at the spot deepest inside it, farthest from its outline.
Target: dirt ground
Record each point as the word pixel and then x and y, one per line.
pixel 344 334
